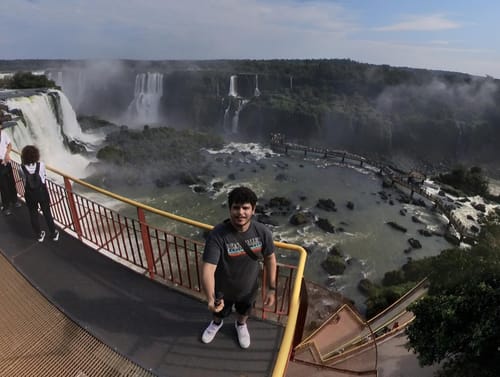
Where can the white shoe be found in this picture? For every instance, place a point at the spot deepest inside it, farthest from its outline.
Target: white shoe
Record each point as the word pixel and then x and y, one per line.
pixel 41 236
pixel 243 335
pixel 211 331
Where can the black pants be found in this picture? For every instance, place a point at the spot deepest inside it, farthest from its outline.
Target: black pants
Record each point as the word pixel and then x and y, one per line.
pixel 40 198
pixel 7 186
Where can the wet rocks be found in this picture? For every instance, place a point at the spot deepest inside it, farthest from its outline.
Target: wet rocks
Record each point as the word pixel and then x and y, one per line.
pixel 425 232
pixel 414 243
pixel 266 219
pixel 396 226
pixel 326 205
pixel 301 218
pixel 334 263
pixel 416 219
pixel 325 225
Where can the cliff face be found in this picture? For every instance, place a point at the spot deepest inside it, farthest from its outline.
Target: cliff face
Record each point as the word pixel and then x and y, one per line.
pixel 432 116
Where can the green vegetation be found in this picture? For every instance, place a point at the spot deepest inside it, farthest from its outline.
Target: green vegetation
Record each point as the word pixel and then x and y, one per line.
pixel 471 182
pixel 26 80
pixel 436 118
pixel 458 322
pixel 156 145
pixel 381 297
pixel 92 122
pixel 162 155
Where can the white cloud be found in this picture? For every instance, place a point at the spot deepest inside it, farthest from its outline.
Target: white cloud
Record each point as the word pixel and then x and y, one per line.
pixel 240 29
pixel 431 22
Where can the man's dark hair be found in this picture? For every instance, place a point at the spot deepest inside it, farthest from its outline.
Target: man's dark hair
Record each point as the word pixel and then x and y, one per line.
pixel 242 195
pixel 30 155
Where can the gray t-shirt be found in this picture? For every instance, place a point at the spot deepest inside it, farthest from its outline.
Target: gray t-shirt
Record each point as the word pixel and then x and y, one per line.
pixel 236 275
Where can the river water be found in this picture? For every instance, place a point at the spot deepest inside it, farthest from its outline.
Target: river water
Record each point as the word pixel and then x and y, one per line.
pixel 368 243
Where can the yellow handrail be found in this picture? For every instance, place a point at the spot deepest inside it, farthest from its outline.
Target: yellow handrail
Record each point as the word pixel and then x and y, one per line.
pixel 286 344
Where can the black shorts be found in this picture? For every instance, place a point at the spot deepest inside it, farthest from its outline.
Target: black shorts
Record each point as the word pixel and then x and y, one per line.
pixel 242 308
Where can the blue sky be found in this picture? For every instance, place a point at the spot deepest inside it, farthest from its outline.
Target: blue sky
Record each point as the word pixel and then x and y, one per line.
pixel 449 35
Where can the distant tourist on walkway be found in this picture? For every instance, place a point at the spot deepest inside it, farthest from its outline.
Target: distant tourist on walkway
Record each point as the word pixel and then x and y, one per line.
pixel 7 182
pixel 36 194
pixel 231 265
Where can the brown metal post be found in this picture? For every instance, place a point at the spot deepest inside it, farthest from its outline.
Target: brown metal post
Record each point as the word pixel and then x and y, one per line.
pixel 301 318
pixel 146 241
pixel 72 207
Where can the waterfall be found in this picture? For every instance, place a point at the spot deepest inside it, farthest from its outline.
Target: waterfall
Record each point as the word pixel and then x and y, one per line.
pixel 145 107
pixel 42 127
pixel 236 116
pixel 232 86
pixel 256 91
pixel 226 113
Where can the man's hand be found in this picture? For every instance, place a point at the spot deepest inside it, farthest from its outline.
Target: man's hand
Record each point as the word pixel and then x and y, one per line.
pixel 216 308
pixel 270 297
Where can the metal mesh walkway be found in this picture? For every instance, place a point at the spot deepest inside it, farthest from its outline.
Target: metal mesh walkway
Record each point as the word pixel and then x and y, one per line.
pixel 36 339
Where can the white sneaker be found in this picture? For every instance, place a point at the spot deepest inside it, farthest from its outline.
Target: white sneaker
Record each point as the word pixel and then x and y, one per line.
pixel 211 331
pixel 55 237
pixel 41 236
pixel 243 335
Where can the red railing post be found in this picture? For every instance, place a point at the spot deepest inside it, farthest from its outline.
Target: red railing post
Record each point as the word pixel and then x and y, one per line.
pixel 301 318
pixel 72 207
pixel 146 241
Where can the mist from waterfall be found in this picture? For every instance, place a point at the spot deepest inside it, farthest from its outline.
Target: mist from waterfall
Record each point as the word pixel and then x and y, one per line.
pixel 57 77
pixel 42 128
pixel 76 85
pixel 145 107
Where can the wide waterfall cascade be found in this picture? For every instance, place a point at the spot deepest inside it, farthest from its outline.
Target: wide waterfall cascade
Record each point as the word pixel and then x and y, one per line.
pixel 42 128
pixel 233 92
pixel 145 107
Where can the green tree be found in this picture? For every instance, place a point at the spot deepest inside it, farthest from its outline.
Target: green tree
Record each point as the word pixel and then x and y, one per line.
pixel 458 323
pixel 27 80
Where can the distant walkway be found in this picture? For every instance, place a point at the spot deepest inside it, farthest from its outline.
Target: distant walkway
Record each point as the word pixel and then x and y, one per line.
pixel 412 181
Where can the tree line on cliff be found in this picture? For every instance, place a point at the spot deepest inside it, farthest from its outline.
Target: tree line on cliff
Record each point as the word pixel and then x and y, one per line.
pixel 434 117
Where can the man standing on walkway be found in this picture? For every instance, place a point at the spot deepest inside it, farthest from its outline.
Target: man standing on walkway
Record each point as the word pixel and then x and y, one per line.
pixel 231 265
pixel 7 183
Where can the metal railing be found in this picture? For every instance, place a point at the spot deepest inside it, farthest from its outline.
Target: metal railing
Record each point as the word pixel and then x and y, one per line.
pixel 162 255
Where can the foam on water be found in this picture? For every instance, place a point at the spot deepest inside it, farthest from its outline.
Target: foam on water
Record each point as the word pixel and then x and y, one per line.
pixel 255 150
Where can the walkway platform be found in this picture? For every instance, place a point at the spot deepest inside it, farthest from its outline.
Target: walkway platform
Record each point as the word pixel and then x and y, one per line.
pixel 81 311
